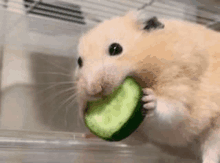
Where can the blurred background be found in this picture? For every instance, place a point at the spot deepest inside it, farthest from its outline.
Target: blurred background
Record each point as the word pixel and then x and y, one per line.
pixel 38 50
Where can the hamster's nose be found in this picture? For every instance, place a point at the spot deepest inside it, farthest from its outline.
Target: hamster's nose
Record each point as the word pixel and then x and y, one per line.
pixel 95 90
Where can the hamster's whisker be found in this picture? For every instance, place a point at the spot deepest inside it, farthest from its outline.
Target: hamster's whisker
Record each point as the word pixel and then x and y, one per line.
pixel 67 108
pixel 60 106
pixel 65 82
pixel 65 118
pixel 50 87
pixel 55 73
pixel 61 92
pixel 54 64
pixel 79 118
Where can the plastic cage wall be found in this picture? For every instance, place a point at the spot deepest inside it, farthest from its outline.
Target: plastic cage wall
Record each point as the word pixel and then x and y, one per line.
pixel 39 119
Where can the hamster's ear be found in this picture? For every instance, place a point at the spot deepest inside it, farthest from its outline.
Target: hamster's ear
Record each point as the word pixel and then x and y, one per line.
pixel 144 21
pixel 153 23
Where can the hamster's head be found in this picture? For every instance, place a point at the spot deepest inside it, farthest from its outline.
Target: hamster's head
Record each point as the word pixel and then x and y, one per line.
pixel 107 55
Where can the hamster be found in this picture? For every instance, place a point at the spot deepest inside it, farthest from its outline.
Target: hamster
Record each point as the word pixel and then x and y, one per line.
pixel 177 64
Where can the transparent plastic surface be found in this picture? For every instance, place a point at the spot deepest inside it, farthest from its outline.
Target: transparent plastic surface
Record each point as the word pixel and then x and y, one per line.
pixel 39 117
pixel 2 39
pixel 35 147
pixel 37 73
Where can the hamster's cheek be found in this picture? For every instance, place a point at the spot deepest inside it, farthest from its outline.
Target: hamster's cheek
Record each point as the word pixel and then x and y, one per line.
pixel 98 79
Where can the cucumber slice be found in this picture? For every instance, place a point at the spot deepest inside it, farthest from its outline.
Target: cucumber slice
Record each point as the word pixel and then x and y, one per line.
pixel 119 114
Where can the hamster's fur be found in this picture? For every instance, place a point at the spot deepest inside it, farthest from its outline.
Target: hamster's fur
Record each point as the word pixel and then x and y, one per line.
pixel 178 60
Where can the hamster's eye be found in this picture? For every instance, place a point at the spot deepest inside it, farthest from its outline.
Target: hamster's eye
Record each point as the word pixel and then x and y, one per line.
pixel 80 62
pixel 115 49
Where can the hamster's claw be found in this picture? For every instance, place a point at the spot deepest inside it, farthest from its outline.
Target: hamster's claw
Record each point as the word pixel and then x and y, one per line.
pixel 89 135
pixel 150 101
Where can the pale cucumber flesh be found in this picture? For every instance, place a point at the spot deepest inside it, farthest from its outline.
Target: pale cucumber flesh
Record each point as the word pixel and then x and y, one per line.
pixel 118 115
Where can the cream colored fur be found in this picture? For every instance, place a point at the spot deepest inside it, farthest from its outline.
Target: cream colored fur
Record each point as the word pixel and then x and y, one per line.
pixel 181 63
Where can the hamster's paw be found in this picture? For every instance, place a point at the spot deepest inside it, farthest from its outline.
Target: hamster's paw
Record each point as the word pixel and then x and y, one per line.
pixel 89 135
pixel 150 101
